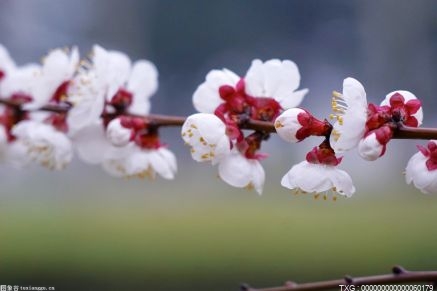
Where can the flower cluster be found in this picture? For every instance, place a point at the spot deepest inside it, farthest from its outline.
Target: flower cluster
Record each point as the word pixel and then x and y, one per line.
pixel 226 102
pixel 99 107
pixel 100 103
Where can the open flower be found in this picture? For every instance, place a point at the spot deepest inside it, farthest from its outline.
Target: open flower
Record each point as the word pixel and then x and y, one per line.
pixel 267 89
pixel 240 172
pixel 318 178
pixel 44 144
pixel 207 97
pixel 421 169
pixel 275 79
pixel 133 161
pixel 350 113
pixel 111 83
pixel 319 173
pixel 53 78
pixel 206 134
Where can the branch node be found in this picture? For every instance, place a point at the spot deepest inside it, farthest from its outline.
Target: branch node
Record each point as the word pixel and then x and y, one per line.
pixel 398 270
pixel 349 280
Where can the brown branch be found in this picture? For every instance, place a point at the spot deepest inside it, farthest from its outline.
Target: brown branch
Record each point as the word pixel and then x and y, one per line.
pixel 398 275
pixel 402 132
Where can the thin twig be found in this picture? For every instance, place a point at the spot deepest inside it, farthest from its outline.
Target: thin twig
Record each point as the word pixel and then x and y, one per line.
pixel 402 132
pixel 398 275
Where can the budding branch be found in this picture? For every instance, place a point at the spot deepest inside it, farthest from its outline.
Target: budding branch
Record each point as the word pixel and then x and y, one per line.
pixel 398 275
pixel 402 132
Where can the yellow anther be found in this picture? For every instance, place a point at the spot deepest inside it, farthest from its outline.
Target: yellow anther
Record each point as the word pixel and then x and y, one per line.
pixel 337 94
pixel 278 124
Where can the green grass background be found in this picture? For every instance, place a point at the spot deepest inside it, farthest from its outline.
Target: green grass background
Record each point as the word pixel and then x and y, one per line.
pixel 80 229
pixel 211 240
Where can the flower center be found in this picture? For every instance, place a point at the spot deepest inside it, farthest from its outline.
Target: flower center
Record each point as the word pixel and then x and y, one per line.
pixel 339 107
pixel 2 75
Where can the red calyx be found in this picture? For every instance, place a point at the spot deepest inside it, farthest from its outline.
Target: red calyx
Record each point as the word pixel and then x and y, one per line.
pixel 377 116
pixel 250 145
pixel 143 134
pixel 402 111
pixel 323 154
pixel 58 121
pixel 61 92
pixel 121 100
pixel 263 108
pixel 312 126
pixel 2 75
pixel 431 153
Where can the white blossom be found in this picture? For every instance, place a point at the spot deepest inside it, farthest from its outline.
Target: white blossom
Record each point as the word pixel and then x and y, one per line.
pixel 133 161
pixel 275 79
pixel 59 66
pixel 240 172
pixel 318 178
pixel 206 135
pixel 350 112
pixel 45 145
pixel 206 98
pixel 421 169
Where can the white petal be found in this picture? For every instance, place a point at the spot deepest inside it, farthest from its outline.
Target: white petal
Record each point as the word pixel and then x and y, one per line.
pixel 206 135
pixel 369 148
pixel 133 161
pixel 348 132
pixel 316 178
pixel 58 67
pixel 112 68
pixel 287 124
pixel 44 143
pixel 163 162
pixel 143 83
pixel 87 97
pixel 240 172
pixel 418 173
pixel 20 80
pixel 17 155
pixel 117 134
pixel 353 92
pixel 206 98
pixel 275 79
pixel 6 62
pixel 91 143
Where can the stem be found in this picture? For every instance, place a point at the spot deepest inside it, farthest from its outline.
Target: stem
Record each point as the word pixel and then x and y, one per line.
pixel 402 132
pixel 398 275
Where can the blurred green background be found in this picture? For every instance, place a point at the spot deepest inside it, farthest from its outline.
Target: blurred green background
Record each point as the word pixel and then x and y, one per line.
pixel 80 229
